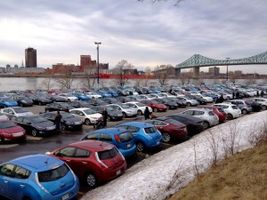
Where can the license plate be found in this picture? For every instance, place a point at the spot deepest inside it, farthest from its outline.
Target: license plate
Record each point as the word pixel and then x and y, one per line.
pixel 118 172
pixel 129 145
pixel 76 123
pixel 65 197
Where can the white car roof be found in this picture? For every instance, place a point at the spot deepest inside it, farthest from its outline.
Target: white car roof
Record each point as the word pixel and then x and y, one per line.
pixel 80 109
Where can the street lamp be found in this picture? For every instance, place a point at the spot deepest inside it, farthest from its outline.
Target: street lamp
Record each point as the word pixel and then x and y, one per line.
pixel 227 74
pixel 97 49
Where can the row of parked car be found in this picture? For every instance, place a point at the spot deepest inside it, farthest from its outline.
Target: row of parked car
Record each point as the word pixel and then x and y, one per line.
pixel 101 154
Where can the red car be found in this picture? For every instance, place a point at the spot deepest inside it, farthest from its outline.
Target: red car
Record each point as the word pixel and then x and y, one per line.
pixel 219 112
pixel 170 129
pixel 157 107
pixel 92 161
pixel 9 131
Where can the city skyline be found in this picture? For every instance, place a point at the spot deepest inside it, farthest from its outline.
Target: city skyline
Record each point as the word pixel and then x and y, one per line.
pixel 143 33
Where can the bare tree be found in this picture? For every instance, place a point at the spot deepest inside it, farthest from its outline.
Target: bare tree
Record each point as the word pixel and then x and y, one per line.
pixel 120 70
pixel 47 83
pixel 66 81
pixel 89 80
pixel 196 169
pixel 162 78
pixel 214 147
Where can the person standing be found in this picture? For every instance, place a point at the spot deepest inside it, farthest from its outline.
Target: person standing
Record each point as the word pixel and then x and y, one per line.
pixel 146 113
pixel 58 120
pixel 105 117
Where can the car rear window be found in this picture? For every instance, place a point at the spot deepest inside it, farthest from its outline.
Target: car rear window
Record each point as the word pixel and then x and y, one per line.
pixel 125 137
pixel 53 174
pixel 150 130
pixel 108 154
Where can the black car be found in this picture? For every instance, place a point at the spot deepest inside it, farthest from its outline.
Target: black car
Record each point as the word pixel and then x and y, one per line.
pixel 194 125
pixel 110 100
pixel 169 103
pixel 81 104
pixel 56 98
pixel 68 120
pixel 180 103
pixel 98 102
pixel 40 100
pixel 23 101
pixel 124 99
pixel 200 100
pixel 35 125
pixel 113 114
pixel 56 106
pixel 256 107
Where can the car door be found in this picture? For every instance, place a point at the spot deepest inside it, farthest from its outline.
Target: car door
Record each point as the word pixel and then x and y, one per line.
pixel 6 173
pixel 80 162
pixel 66 154
pixel 189 112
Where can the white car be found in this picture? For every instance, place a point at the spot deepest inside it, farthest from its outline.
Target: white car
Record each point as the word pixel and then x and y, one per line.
pixel 87 115
pixel 68 97
pixel 262 102
pixel 165 95
pixel 140 107
pixel 189 102
pixel 127 111
pixel 208 99
pixel 93 95
pixel 16 111
pixel 208 117
pixel 232 111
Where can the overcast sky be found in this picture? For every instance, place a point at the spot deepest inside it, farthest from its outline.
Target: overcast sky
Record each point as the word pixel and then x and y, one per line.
pixel 143 33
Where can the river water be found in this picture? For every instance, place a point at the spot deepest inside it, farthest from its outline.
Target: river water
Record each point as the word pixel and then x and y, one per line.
pixel 22 83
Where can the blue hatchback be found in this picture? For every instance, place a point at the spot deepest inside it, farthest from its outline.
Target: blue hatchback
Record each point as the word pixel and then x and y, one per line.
pixel 37 177
pixel 145 134
pixel 119 137
pixel 7 102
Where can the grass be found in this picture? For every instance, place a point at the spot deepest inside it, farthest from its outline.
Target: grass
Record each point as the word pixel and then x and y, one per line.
pixel 242 176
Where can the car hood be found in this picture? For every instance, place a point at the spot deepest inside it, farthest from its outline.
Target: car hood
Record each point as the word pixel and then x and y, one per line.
pixel 14 129
pixel 43 124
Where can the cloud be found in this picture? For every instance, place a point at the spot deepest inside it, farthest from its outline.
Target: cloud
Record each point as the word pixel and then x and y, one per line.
pixel 141 32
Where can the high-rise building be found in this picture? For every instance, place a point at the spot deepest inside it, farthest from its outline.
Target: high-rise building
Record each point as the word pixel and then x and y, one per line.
pixel 30 57
pixel 214 71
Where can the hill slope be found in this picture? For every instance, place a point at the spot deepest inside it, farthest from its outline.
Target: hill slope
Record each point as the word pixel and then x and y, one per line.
pixel 242 176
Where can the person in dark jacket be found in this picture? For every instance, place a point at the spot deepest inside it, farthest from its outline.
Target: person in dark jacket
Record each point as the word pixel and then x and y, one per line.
pixel 58 120
pixel 146 113
pixel 220 99
pixel 105 117
pixel 262 93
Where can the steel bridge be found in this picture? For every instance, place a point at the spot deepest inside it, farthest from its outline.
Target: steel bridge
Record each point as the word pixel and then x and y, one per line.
pixel 197 61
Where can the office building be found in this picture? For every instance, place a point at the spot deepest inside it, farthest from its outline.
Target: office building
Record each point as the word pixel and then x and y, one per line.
pixel 30 57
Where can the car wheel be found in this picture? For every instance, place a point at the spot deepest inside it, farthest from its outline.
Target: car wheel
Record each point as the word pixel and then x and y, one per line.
pixel 264 107
pixel 139 112
pixel 155 110
pixel 87 122
pixel 206 125
pixel 140 147
pixel 230 116
pixel 244 112
pixel 63 127
pixel 188 104
pixel 34 132
pixel 124 115
pixel 40 103
pixel 166 137
pixel 90 180
pixel 1 140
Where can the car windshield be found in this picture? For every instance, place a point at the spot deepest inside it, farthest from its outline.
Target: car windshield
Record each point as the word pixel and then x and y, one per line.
pixel 37 120
pixel 6 124
pixel 20 110
pixel 140 104
pixel 67 115
pixel 108 154
pixel 125 137
pixel 150 130
pixel 125 106
pixel 89 111
pixel 53 174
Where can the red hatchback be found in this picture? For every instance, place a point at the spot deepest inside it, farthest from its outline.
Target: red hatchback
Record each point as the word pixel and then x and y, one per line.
pixel 170 129
pixel 157 107
pixel 9 131
pixel 92 161
pixel 219 112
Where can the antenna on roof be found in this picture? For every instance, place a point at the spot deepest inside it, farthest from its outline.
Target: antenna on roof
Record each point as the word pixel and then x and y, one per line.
pixel 46 162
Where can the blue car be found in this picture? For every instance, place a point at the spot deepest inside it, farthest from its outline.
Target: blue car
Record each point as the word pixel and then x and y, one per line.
pixel 81 96
pixel 37 177
pixel 145 134
pixel 119 137
pixel 7 102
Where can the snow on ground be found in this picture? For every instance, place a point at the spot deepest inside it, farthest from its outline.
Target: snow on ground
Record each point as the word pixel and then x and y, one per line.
pixel 153 178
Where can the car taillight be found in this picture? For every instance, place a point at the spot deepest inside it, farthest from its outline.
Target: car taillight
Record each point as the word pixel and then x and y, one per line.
pixel 117 138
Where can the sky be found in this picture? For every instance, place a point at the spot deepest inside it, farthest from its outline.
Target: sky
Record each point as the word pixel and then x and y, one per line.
pixel 143 33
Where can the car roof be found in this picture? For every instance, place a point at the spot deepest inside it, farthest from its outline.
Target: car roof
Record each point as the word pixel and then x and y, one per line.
pixel 92 145
pixel 137 124
pixel 111 131
pixel 81 109
pixel 37 162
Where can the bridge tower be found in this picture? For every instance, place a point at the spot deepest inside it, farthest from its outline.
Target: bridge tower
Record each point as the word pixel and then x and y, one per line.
pixel 196 72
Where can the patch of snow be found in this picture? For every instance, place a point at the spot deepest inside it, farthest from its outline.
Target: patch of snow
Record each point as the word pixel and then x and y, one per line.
pixel 153 178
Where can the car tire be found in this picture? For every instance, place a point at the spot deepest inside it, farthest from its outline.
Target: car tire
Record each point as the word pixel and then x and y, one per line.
pixel 90 180
pixel 87 122
pixel 124 115
pixel 140 147
pixel 206 125
pixel 155 110
pixel 63 127
pixel 139 112
pixel 188 104
pixel 40 103
pixel 166 137
pixel 1 140
pixel 264 107
pixel 34 132
pixel 230 116
pixel 244 112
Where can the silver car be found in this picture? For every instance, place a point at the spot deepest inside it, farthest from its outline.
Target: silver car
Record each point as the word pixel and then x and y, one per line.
pixel 208 117
pixel 127 111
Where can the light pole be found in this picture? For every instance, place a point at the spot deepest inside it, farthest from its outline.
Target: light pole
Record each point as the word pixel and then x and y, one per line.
pixel 97 49
pixel 227 73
